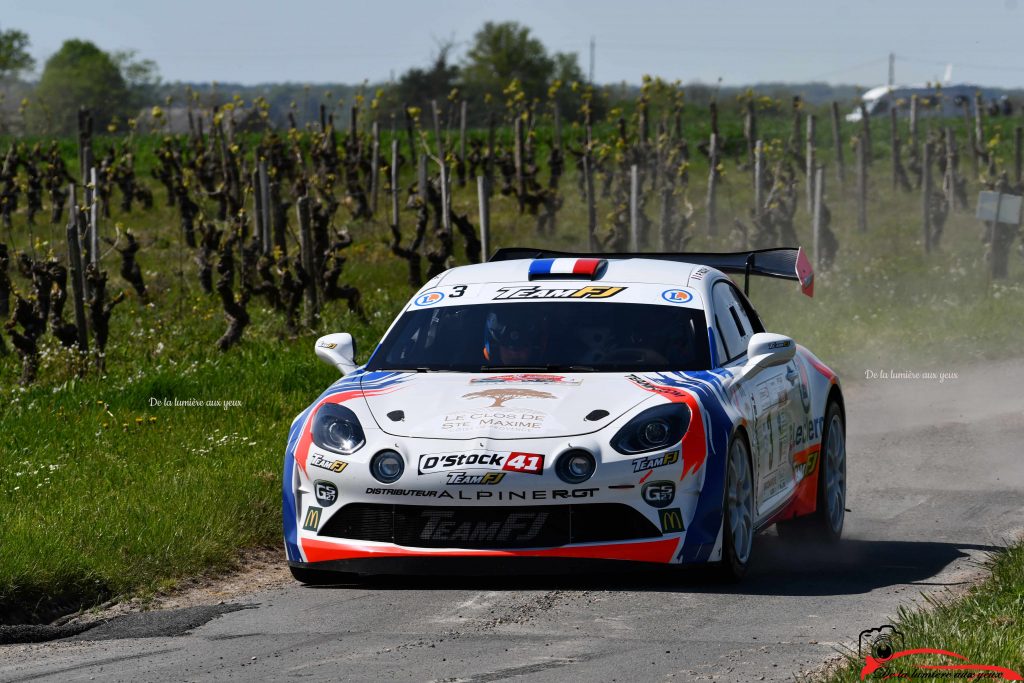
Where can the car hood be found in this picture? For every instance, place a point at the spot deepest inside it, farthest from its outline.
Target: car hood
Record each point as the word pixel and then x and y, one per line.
pixel 502 406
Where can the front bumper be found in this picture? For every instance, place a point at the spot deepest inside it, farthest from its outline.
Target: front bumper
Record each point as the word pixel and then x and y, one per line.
pixel 384 559
pixel 645 508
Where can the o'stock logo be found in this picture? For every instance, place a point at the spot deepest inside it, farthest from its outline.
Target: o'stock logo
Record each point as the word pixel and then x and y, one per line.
pixel 429 298
pixel 676 296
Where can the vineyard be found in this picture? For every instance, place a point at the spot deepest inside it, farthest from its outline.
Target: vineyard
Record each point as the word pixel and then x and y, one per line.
pixel 161 292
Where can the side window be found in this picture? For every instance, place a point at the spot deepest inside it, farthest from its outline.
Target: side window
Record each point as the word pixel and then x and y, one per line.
pixel 756 324
pixel 734 327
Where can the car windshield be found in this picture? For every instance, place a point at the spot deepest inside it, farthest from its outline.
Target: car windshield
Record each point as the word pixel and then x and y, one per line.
pixel 546 336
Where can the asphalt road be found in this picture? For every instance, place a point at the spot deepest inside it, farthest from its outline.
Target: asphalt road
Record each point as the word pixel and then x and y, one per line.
pixel 936 479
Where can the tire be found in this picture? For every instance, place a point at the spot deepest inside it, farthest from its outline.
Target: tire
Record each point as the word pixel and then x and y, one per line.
pixel 825 525
pixel 320 577
pixel 737 512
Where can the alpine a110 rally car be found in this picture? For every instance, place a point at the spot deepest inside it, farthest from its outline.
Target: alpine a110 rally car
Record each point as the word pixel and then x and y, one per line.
pixel 548 405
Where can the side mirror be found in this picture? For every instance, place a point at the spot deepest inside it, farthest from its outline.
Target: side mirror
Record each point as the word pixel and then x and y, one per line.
pixel 766 350
pixel 337 350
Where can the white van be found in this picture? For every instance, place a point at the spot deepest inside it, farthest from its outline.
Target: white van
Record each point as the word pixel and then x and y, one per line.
pixel 946 100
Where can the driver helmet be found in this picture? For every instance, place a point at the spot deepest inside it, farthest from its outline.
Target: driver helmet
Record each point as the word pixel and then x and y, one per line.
pixel 512 334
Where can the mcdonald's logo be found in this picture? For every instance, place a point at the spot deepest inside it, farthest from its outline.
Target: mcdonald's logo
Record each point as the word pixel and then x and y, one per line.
pixel 313 519
pixel 671 520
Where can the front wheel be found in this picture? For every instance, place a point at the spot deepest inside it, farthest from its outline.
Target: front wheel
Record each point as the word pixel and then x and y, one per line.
pixel 738 512
pixel 826 523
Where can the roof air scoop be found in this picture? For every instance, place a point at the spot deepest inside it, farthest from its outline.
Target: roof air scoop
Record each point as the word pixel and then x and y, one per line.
pixel 567 268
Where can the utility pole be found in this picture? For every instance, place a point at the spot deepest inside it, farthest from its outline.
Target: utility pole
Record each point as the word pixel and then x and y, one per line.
pixel 593 43
pixel 892 69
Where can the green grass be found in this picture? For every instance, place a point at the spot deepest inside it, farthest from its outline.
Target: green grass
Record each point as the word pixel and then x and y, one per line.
pixel 102 494
pixel 986 625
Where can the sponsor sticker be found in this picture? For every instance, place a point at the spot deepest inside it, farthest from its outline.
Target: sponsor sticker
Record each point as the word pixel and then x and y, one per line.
pixel 671 520
pixel 528 463
pixel 805 390
pixel 588 292
pixel 488 496
pixel 500 396
pixel 676 296
pixel 429 298
pixel 659 494
pixel 312 521
pixel 649 462
pixel 526 379
pixel 326 493
pixel 442 525
pixel 509 419
pixel 809 432
pixel 468 479
pixel 336 466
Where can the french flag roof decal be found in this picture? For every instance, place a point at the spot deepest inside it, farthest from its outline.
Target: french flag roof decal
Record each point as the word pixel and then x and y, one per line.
pixel 567 268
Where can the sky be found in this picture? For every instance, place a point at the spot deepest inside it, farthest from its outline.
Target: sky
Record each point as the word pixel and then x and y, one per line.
pixel 339 41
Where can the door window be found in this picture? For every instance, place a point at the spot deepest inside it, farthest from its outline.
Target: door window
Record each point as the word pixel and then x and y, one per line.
pixel 731 320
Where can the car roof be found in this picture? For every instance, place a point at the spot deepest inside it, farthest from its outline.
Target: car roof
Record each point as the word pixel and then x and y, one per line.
pixel 638 270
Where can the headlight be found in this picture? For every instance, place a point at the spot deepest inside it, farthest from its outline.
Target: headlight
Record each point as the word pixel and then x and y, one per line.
pixel 337 429
pixel 387 466
pixel 575 466
pixel 658 427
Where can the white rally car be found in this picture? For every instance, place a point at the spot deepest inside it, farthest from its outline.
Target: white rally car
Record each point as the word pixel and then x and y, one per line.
pixel 547 405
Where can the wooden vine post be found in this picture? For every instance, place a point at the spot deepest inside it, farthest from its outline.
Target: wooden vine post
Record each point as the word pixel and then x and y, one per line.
pixel 634 208
pixel 819 196
pixel 375 169
pixel 862 184
pixel 588 173
pixel 77 278
pixel 484 204
pixel 926 196
pixel 894 150
pixel 312 298
pixel 759 182
pixel 949 182
pixel 837 144
pixel 712 200
pixel 811 161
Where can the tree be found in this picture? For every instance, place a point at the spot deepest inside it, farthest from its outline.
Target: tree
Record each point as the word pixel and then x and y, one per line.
pixel 417 87
pixel 142 76
pixel 566 72
pixel 79 75
pixel 500 396
pixel 505 51
pixel 14 56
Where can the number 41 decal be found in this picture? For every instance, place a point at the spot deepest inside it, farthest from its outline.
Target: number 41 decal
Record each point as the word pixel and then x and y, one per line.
pixel 529 463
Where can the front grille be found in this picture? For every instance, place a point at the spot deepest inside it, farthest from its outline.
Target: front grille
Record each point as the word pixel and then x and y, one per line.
pixel 541 526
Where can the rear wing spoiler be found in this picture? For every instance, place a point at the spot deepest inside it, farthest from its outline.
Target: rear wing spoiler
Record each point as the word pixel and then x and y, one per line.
pixel 786 263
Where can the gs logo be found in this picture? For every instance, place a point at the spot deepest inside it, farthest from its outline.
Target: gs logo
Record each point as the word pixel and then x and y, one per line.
pixel 429 298
pixel 659 494
pixel 676 296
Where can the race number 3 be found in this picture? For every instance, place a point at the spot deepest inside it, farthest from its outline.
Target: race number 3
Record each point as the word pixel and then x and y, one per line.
pixel 529 463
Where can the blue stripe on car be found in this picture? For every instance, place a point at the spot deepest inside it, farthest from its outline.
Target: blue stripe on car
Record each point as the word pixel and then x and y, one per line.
pixel 291 541
pixel 707 518
pixel 367 380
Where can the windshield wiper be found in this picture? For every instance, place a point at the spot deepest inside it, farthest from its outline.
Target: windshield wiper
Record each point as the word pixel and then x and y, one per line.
pixel 423 369
pixel 537 368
